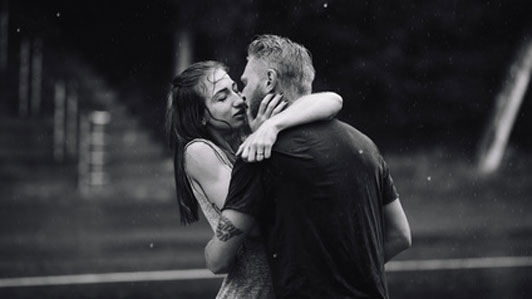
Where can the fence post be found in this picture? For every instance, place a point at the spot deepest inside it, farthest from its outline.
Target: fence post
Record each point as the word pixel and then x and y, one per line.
pixel 83 160
pixel 98 143
pixel 59 120
pixel 93 153
pixel 24 74
pixel 71 139
pixel 36 76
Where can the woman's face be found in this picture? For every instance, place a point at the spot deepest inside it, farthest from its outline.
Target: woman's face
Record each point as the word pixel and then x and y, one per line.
pixel 224 102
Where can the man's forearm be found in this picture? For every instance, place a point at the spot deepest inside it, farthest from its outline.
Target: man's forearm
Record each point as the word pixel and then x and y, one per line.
pixel 397 236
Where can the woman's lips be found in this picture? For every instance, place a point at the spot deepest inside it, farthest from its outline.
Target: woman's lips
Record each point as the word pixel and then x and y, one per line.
pixel 239 113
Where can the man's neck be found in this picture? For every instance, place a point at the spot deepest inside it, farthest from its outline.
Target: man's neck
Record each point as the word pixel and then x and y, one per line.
pixel 290 93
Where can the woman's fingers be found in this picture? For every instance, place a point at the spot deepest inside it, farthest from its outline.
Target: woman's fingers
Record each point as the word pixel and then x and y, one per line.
pixel 267 152
pixel 240 149
pixel 251 153
pixel 264 103
pixel 244 150
pixel 272 105
pixel 279 108
pixel 259 147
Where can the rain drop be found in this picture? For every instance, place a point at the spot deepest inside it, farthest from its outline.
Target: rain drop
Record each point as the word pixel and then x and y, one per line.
pixel 58 14
pixel 360 152
pixel 151 245
pixel 429 178
pixel 325 5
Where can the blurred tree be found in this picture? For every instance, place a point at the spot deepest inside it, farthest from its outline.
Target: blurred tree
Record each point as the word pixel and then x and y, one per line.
pixel 426 68
pixel 429 70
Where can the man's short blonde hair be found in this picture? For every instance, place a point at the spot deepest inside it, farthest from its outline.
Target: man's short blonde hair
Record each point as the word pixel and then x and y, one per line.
pixel 291 61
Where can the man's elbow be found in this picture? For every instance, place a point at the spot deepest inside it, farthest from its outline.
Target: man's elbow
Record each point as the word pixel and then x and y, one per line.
pixel 406 240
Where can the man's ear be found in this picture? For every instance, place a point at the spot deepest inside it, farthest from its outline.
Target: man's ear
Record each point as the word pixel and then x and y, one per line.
pixel 271 81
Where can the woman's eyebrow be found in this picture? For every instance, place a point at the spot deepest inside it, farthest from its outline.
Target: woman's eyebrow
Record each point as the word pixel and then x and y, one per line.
pixel 223 90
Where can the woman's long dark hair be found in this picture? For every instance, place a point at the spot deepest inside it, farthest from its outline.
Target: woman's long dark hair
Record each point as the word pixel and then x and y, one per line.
pixel 184 116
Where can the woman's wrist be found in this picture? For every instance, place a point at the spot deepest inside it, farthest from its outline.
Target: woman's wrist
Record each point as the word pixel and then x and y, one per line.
pixel 275 124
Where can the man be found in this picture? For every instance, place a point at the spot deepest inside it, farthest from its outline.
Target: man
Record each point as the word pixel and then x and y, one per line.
pixel 325 202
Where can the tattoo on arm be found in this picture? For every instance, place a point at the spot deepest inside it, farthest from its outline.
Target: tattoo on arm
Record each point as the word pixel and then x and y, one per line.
pixel 226 230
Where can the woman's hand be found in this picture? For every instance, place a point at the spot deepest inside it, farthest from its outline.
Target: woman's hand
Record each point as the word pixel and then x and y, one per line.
pixel 258 146
pixel 269 106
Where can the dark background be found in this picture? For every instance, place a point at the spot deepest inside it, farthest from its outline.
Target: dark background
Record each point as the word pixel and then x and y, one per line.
pixel 428 70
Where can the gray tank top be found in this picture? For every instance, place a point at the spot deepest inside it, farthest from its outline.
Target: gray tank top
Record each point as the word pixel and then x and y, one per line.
pixel 250 275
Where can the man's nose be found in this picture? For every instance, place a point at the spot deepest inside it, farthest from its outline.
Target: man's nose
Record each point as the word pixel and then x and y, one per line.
pixel 241 100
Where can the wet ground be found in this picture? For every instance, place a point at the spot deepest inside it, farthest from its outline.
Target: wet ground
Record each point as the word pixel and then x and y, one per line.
pixel 454 214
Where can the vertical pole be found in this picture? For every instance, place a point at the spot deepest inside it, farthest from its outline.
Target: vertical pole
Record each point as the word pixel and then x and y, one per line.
pixel 59 121
pixel 183 50
pixel 83 161
pixel 36 76
pixel 72 120
pixel 24 74
pixel 4 38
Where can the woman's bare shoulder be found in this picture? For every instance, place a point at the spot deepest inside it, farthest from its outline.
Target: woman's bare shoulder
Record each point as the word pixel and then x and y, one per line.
pixel 202 158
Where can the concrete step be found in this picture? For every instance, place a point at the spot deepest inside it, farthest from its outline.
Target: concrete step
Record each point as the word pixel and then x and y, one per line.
pixel 119 189
pixel 35 190
pixel 85 236
pixel 12 173
pixel 150 168
pixel 154 188
pixel 12 123
pixel 13 141
pixel 26 155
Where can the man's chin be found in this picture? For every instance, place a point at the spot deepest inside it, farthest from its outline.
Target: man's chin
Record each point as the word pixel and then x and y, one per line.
pixel 255 104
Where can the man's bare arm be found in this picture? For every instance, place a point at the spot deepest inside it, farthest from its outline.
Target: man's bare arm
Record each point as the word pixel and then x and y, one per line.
pixel 231 231
pixel 397 236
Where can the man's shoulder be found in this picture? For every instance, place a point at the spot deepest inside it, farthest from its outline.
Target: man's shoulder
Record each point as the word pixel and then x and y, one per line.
pixel 323 133
pixel 317 128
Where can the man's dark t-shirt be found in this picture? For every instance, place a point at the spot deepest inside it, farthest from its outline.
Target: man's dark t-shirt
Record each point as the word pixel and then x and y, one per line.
pixel 318 201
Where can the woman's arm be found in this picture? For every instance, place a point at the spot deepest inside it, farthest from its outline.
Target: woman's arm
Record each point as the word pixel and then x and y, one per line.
pixel 205 168
pixel 307 109
pixel 212 175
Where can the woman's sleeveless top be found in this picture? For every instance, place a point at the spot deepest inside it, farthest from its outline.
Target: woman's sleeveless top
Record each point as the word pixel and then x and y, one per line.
pixel 250 275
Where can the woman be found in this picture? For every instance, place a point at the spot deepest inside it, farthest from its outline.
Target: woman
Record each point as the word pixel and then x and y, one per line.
pixel 206 120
